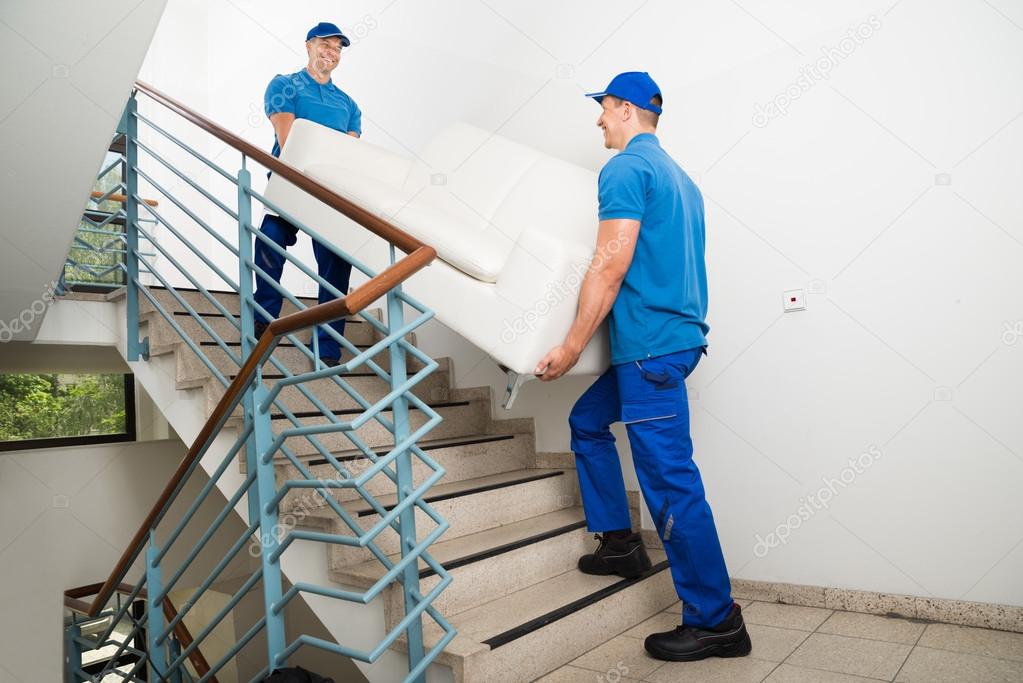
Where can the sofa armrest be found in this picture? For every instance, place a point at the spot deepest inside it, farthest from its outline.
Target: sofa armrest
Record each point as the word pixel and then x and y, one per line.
pixel 310 143
pixel 541 280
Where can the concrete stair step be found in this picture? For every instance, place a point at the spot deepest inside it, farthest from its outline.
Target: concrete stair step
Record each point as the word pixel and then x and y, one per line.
pixel 198 300
pixel 461 457
pixel 294 359
pixel 469 506
pixel 530 632
pixel 459 418
pixel 433 388
pixel 357 330
pixel 488 564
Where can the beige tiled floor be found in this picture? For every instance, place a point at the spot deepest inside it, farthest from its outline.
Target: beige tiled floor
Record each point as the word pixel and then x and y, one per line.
pixel 794 644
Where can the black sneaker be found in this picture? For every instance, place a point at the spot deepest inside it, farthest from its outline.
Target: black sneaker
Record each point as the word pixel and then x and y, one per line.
pixel 690 643
pixel 623 556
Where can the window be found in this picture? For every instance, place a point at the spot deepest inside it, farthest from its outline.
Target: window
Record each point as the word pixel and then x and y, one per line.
pixel 43 411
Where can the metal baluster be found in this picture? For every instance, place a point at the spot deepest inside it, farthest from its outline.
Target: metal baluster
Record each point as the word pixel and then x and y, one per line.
pixel 155 622
pixel 403 465
pixel 129 128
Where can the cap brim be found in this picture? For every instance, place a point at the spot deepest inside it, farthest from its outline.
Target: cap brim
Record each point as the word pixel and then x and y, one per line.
pixel 597 95
pixel 344 39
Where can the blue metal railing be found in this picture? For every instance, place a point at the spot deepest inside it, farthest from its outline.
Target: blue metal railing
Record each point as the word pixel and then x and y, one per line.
pixel 170 561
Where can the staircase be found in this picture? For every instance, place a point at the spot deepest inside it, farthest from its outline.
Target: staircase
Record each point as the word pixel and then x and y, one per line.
pixel 520 605
pixel 424 534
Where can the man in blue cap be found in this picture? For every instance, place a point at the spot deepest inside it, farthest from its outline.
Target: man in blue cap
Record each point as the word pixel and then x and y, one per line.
pixel 307 94
pixel 649 277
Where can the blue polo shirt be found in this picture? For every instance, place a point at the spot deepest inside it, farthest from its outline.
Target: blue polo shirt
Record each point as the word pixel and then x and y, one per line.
pixel 662 305
pixel 301 95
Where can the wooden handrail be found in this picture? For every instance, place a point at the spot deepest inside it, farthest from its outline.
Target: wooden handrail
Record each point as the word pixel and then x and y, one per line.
pixel 120 198
pixel 375 224
pixel 418 256
pixel 181 632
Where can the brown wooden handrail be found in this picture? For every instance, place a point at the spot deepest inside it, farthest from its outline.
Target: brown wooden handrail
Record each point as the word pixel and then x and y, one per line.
pixel 121 198
pixel 181 632
pixel 418 256
pixel 363 217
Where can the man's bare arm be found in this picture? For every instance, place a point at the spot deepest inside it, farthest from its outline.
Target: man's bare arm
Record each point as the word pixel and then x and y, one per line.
pixel 282 122
pixel 616 245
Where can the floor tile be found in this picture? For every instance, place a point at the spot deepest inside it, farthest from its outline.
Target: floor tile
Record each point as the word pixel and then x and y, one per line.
pixel 785 616
pixel 926 665
pixel 713 670
pixel 622 654
pixel 772 643
pixel 856 656
pixel 874 627
pixel 573 674
pixel 976 641
pixel 786 673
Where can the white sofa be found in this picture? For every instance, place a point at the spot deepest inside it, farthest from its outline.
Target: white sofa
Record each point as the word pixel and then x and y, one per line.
pixel 514 230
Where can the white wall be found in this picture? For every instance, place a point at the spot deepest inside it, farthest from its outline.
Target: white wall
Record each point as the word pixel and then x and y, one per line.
pixel 68 514
pixel 66 69
pixel 888 190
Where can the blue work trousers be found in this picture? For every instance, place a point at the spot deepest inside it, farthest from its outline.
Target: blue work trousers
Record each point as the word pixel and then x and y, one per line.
pixel 649 396
pixel 331 267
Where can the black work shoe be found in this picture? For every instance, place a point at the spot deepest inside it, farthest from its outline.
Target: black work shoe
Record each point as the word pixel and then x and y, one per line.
pixel 690 643
pixel 259 328
pixel 623 556
pixel 331 362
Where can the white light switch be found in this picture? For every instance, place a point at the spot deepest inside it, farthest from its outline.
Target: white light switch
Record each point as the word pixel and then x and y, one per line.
pixel 794 300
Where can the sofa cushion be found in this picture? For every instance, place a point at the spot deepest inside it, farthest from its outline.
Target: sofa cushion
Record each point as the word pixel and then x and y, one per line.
pixel 457 242
pixel 379 197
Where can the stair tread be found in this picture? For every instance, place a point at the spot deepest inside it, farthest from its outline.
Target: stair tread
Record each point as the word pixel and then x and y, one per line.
pixel 508 612
pixel 446 551
pixel 449 489
pixel 425 444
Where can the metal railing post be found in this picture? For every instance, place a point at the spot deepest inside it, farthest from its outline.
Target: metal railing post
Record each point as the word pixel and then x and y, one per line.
pixel 72 653
pixel 261 436
pixel 154 610
pixel 269 530
pixel 129 128
pixel 247 318
pixel 403 465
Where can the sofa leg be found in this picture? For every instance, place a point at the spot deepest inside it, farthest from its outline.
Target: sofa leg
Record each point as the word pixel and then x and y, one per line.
pixel 515 382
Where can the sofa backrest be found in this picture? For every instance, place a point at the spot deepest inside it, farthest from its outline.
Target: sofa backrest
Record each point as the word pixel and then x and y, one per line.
pixel 500 187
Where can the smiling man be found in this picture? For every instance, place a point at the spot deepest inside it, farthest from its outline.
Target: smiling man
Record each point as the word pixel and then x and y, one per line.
pixel 306 94
pixel 649 278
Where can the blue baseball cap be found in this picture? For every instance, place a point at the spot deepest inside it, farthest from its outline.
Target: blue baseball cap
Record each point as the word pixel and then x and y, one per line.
pixel 633 86
pixel 325 29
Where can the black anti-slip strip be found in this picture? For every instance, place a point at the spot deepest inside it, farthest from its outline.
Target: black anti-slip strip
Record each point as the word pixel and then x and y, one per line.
pixel 477 489
pixel 217 314
pixel 343 374
pixel 428 447
pixel 566 610
pixel 359 411
pixel 222 291
pixel 507 547
pixel 283 343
